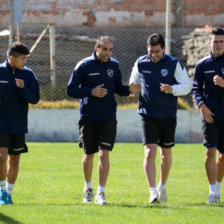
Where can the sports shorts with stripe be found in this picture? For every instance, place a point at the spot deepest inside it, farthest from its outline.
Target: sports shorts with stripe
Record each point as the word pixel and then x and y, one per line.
pixel 159 131
pixel 14 142
pixel 97 135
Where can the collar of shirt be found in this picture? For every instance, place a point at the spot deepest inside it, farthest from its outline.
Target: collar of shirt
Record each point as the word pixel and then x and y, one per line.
pixel 218 58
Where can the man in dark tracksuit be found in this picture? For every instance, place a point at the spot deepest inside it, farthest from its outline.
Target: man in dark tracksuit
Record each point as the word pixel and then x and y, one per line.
pixel 208 91
pixel 94 81
pixel 18 88
pixel 163 78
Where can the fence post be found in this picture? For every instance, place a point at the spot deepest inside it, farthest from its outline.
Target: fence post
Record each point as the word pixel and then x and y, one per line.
pixel 168 25
pixel 11 34
pixel 52 55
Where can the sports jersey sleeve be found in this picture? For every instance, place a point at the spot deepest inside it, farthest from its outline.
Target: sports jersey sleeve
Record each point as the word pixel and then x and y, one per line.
pixel 74 87
pixel 120 89
pixel 31 91
pixel 198 86
pixel 184 85
pixel 135 74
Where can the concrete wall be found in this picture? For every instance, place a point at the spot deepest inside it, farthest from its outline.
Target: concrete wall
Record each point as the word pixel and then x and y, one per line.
pixel 61 125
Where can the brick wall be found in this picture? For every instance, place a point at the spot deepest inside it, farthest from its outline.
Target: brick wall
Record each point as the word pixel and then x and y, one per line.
pixel 147 13
pixel 206 7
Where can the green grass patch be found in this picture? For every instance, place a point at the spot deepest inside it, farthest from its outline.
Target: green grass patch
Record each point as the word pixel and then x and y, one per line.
pixel 50 188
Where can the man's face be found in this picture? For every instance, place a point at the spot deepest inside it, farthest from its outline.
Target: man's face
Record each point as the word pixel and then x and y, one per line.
pixel 104 51
pixel 155 52
pixel 217 45
pixel 18 62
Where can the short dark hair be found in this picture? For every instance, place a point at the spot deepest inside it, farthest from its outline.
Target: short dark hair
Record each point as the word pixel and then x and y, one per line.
pixel 100 40
pixel 156 39
pixel 217 31
pixel 16 49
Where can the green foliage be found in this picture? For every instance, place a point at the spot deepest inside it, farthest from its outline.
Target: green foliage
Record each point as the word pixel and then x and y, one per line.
pixel 50 188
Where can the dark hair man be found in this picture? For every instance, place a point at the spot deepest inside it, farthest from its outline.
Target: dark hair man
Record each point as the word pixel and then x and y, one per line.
pixel 18 88
pixel 94 81
pixel 162 78
pixel 208 91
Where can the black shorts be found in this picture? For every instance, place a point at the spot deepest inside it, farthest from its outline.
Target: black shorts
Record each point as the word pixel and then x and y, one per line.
pixel 14 142
pixel 213 135
pixel 159 131
pixel 97 135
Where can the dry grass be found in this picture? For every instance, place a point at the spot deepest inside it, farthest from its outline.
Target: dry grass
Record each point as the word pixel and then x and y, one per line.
pixel 69 104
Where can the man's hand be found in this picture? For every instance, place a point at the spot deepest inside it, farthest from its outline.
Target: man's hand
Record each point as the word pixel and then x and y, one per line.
pixel 218 80
pixel 99 91
pixel 135 88
pixel 166 88
pixel 20 83
pixel 206 113
pixel 131 96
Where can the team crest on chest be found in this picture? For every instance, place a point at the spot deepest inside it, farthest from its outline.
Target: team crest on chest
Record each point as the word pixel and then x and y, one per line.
pixel 164 72
pixel 110 72
pixel 223 71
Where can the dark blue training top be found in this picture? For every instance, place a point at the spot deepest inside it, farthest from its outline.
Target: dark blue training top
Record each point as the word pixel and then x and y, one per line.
pixel 14 100
pixel 89 73
pixel 152 101
pixel 204 89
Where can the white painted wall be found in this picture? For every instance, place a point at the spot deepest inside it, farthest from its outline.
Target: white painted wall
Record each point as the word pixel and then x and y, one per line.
pixel 61 125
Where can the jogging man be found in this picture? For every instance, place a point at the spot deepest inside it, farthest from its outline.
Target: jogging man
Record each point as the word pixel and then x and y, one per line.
pixel 18 88
pixel 163 78
pixel 208 91
pixel 94 81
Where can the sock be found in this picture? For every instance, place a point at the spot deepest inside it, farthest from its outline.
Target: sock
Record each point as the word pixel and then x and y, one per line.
pixel 100 189
pixel 163 186
pixel 153 189
pixel 212 189
pixel 88 185
pixel 218 187
pixel 2 185
pixel 9 188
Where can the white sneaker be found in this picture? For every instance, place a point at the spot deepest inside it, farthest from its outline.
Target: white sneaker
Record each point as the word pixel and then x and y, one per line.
pixel 154 197
pixel 162 194
pixel 100 199
pixel 88 195
pixel 213 199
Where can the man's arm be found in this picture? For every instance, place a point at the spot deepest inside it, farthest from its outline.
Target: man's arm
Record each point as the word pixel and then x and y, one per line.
pixel 30 93
pixel 134 79
pixel 198 83
pixel 184 85
pixel 74 88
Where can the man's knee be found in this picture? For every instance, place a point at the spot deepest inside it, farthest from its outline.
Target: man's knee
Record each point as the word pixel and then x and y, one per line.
pixel 221 158
pixel 87 158
pixel 3 155
pixel 14 161
pixel 150 152
pixel 210 153
pixel 103 155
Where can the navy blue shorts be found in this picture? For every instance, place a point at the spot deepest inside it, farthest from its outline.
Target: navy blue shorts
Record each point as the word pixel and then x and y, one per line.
pixel 14 142
pixel 97 135
pixel 159 131
pixel 213 135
